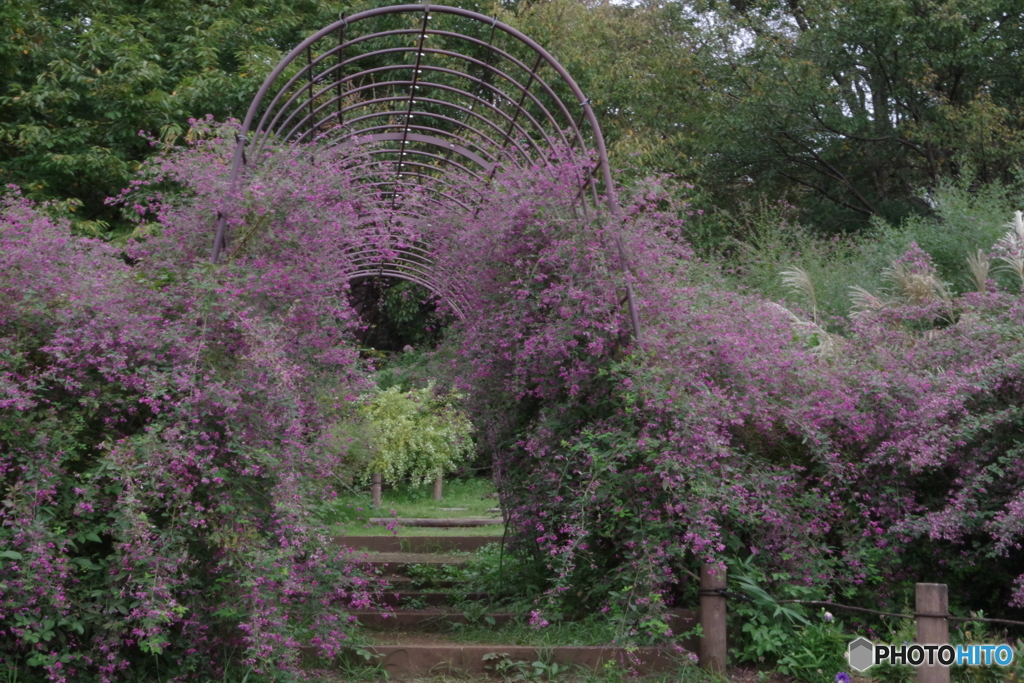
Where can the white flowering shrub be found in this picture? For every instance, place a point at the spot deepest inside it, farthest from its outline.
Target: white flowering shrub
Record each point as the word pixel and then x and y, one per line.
pixel 414 434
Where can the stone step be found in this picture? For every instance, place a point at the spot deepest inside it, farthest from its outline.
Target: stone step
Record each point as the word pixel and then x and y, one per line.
pixel 415 544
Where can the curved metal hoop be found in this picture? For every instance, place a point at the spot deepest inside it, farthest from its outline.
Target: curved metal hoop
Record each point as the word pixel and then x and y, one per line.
pixel 436 98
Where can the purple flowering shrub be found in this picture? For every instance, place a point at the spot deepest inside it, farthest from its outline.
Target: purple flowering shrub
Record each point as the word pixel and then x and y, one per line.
pixel 162 449
pixel 168 426
pixel 891 455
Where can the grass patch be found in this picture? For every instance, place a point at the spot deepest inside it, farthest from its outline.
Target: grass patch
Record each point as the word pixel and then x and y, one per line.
pixel 591 631
pixel 406 531
pixel 351 513
pixel 612 673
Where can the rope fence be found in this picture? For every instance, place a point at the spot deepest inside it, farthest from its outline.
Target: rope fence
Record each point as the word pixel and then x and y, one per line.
pixel 949 617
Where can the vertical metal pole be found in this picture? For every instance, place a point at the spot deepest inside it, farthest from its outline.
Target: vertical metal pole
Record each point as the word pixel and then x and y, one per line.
pixel 712 617
pixel 713 640
pixel 375 490
pixel 339 75
pixel 220 241
pixel 312 104
pixel 931 609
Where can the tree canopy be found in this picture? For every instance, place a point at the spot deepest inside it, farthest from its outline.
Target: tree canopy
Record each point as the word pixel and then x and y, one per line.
pixel 847 110
pixel 82 79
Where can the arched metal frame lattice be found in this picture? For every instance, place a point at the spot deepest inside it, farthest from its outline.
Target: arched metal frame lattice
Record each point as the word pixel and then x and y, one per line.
pixel 432 108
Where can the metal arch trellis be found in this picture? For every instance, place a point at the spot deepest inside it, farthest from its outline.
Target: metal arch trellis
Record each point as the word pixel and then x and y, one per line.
pixel 433 109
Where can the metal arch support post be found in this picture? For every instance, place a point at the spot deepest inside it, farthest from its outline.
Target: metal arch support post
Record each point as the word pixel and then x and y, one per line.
pixel 219 242
pixel 613 202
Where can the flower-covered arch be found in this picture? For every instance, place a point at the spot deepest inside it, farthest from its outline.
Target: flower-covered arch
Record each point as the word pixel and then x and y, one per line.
pixel 432 101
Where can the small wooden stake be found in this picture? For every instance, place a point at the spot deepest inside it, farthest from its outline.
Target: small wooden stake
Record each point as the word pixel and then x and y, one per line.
pixel 712 618
pixel 438 486
pixel 932 608
pixel 375 490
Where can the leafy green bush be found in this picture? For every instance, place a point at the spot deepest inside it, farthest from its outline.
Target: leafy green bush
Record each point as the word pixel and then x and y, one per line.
pixel 799 644
pixel 415 434
pixel 349 441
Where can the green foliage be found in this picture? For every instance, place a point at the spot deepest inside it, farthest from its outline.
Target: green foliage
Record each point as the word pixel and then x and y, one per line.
pixel 503 576
pixel 818 654
pixel 508 669
pixel 798 643
pixel 961 633
pixel 968 217
pixel 593 630
pixel 415 434
pixel 410 310
pixel 81 79
pixel 359 665
pixel 767 239
pixel 349 442
pixel 637 64
pixel 619 672
pixel 982 633
pixel 352 511
pixel 413 368
pixel 900 631
pixel 843 110
pixel 848 109
pixel 506 578
pixel 399 316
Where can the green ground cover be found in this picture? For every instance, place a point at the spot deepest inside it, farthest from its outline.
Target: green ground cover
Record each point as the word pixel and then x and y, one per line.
pixel 593 631
pixel 350 514
pixel 360 529
pixel 542 670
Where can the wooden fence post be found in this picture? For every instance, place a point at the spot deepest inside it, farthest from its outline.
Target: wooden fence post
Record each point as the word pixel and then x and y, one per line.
pixel 375 490
pixel 712 617
pixel 438 486
pixel 931 609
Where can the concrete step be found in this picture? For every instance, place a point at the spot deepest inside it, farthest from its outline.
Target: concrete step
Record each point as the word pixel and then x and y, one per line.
pixel 405 661
pixel 425 619
pixel 426 598
pixel 449 522
pixel 397 564
pixel 403 584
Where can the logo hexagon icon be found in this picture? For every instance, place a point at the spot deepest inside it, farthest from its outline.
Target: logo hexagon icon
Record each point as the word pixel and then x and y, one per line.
pixel 861 654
